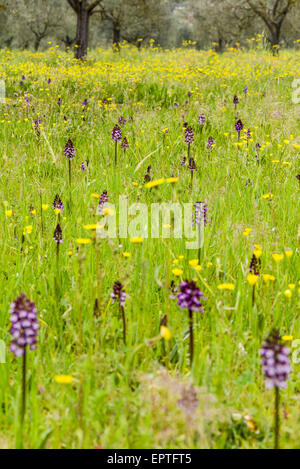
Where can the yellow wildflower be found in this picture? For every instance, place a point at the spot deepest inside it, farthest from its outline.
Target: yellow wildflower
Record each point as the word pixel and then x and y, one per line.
pixel 137 240
pixel 177 272
pixel 63 379
pixel 83 240
pixel 127 254
pixel 155 183
pixel 165 333
pixel 277 257
pixel 226 286
pixel 252 279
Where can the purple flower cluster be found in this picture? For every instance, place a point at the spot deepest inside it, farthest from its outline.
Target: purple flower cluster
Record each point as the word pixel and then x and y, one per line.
pixel 189 135
pixel 190 297
pixel 298 177
pixel 103 200
pixel 211 143
pixel 235 100
pixel 24 325
pixel 37 124
pixel 58 204
pixel 201 119
pixel 239 126
pixel 122 121
pixel 201 210
pixel 84 165
pixel 118 294
pixel 116 134
pixel 192 165
pixel 275 361
pixel 57 236
pixel 124 144
pixel 69 150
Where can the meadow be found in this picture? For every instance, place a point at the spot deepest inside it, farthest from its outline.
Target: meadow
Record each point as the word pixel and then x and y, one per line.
pixel 86 386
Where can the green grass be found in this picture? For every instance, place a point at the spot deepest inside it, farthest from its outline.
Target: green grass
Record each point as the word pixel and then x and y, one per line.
pixel 127 396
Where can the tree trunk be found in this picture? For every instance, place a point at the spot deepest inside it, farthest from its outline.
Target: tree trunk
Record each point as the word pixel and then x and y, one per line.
pixel 275 38
pixel 116 36
pixel 37 42
pixel 82 34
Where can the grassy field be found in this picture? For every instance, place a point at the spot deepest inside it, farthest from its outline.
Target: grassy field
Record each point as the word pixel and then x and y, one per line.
pixel 85 387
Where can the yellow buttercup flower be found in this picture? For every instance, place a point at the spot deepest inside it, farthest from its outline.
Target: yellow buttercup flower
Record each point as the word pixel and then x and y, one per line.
pixel 28 229
pixel 257 253
pixel 109 211
pixel 287 338
pixel 57 211
pixel 288 293
pixel 95 195
pixel 252 279
pixel 193 262
pixel 177 272
pixel 63 379
pixel 91 227
pixel 8 213
pixel 172 180
pixel 155 183
pixel 226 286
pixel 126 254
pixel 247 231
pixel 137 240
pixel 288 253
pixel 277 257
pixel 268 278
pixel 83 240
pixel 165 333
